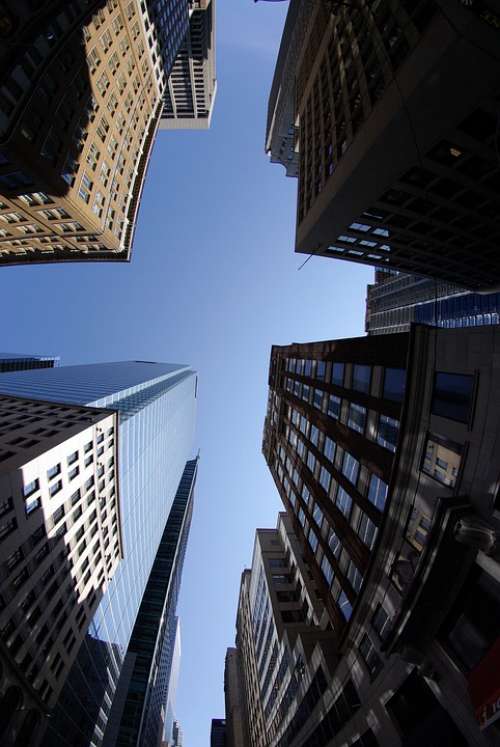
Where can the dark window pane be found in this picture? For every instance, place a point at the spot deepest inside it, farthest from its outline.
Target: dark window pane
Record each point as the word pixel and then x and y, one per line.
pixel 453 396
pixel 338 374
pixel 361 378
pixel 394 384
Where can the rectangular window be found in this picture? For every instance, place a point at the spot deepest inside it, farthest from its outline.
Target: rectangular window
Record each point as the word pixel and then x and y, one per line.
pixel 325 478
pixel 31 488
pixel 442 459
pixel 380 621
pixel 361 376
pixel 350 468
pixel 313 540
pixel 320 370
pixel 388 430
pixel 344 502
pixel 73 458
pixel 370 656
pixel 334 543
pixel 314 437
pixel 357 417
pixel 355 576
pixel 452 397
pixel 367 531
pixel 337 376
pixel 334 404
pixel 311 461
pixel 377 492
pixel 329 449
pixel 345 605
pixel 318 399
pixel 394 384
pixel 55 488
pixel 318 515
pixel 327 570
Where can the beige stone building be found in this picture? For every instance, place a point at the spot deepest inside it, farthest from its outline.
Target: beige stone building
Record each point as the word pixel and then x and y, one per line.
pixel 80 100
pixel 60 544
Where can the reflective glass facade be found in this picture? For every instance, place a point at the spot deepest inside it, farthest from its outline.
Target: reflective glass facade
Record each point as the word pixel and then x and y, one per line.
pixel 156 404
pixel 20 362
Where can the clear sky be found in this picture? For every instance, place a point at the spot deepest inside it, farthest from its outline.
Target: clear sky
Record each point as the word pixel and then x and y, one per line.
pixel 213 282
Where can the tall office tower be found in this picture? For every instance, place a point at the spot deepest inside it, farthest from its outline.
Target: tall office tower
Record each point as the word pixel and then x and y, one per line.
pixel 388 113
pixel 172 732
pixel 59 549
pixel 140 714
pixel 237 731
pixel 189 96
pixel 19 362
pixel 385 453
pixel 218 733
pixel 396 300
pixel 156 404
pixel 292 649
pixel 81 98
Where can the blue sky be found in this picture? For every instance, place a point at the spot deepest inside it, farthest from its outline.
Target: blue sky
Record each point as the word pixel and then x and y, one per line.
pixel 213 282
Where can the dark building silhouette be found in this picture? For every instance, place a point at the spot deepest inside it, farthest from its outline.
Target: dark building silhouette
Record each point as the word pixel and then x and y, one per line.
pixel 387 113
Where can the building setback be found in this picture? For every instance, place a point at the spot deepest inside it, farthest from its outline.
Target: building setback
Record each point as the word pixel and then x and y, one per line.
pixel 191 88
pixel 395 300
pixel 60 544
pixel 148 662
pixel 384 451
pixel 393 170
pixel 20 362
pixel 156 403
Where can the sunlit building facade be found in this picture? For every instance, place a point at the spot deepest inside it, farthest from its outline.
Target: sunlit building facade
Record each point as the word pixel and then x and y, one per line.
pixel 60 545
pixel 396 300
pixel 382 449
pixel 393 169
pixel 156 403
pixel 191 88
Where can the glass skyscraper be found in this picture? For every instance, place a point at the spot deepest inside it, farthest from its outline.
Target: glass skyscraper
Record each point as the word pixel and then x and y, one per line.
pixel 138 715
pixel 20 362
pixel 156 404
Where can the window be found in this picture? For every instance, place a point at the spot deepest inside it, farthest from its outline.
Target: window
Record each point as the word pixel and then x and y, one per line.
pixel 55 488
pixel 311 461
pixel 74 472
pixel 367 531
pixel 357 417
pixel 388 430
pixel 337 374
pixel 344 501
pixel 320 370
pixel 452 397
pixel 354 575
pixel 329 449
pixel 72 458
pixel 377 492
pixel 361 376
pixel 325 478
pixel 345 606
pixel 379 622
pixel 370 656
pixel 53 471
pixel 317 515
pixel 442 459
pixel 334 404
pixel 394 384
pixel 350 467
pixel 31 488
pixel 327 570
pixel 314 437
pixel 313 540
pixel 318 398
pixel 334 543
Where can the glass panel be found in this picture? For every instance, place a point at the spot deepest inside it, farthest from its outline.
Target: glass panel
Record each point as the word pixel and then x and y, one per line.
pixel 388 429
pixel 338 374
pixel 394 384
pixel 442 460
pixel 361 378
pixel 452 396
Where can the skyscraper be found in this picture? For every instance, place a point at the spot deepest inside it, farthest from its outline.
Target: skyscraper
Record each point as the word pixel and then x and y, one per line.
pixel 19 362
pixel 384 451
pixel 396 300
pixel 237 730
pixel 387 115
pixel 83 89
pixel 192 85
pixel 156 405
pixel 139 715
pixel 59 548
